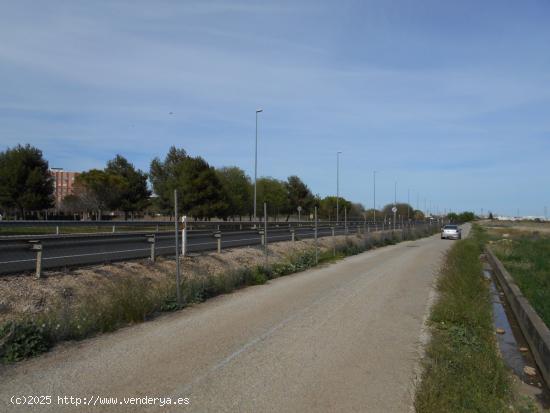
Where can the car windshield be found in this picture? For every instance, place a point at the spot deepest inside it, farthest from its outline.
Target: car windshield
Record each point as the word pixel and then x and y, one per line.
pixel 451 226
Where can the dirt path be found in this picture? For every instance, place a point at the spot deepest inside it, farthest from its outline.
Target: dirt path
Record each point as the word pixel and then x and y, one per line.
pixel 340 338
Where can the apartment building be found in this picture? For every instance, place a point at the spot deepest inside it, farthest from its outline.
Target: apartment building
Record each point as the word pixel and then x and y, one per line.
pixel 63 184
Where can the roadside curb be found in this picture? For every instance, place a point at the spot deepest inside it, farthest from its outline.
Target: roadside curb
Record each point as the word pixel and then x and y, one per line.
pixel 534 329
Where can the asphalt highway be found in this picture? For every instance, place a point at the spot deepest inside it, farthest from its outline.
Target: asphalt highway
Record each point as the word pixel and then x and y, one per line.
pixel 74 250
pixel 345 337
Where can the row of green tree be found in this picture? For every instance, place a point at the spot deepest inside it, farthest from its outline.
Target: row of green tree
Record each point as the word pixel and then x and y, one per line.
pixel 465 216
pixel 205 192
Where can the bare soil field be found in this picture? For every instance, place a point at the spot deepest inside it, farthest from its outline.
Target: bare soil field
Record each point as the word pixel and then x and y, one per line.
pixel 523 226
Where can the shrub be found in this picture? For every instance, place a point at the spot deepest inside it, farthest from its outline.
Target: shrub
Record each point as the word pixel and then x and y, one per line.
pixel 22 339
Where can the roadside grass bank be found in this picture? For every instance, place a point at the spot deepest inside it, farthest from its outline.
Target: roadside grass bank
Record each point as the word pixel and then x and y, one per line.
pixel 108 303
pixel 463 371
pixel 526 256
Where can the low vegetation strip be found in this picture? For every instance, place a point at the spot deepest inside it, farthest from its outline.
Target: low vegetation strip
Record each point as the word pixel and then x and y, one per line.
pixel 463 370
pixel 527 258
pixel 131 298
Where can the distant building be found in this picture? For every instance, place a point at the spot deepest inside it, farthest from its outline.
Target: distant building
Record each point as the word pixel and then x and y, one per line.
pixel 63 184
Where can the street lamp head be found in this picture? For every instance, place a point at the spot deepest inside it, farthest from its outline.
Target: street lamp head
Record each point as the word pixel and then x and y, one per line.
pixel 259 110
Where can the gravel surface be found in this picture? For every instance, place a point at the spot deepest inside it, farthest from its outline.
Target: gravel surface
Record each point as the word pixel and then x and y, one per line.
pixel 344 337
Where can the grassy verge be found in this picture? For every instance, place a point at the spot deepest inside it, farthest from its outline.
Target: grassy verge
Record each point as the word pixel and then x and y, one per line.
pixel 527 258
pixel 125 300
pixel 463 369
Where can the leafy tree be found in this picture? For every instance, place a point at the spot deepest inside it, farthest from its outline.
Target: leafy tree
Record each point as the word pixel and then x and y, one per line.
pixel 298 194
pixel 356 212
pixel 466 216
pixel 453 217
pixel 98 190
pixel 327 208
pixel 238 187
pixel 134 194
pixel 403 210
pixel 164 176
pixel 25 182
pixel 274 193
pixel 373 213
pixel 72 203
pixel 201 193
pixel 491 216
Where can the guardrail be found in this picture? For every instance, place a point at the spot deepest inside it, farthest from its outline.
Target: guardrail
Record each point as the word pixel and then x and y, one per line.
pixel 58 227
pixel 25 253
pixel 20 253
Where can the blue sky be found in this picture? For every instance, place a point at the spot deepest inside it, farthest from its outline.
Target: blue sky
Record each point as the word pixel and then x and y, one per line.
pixel 449 99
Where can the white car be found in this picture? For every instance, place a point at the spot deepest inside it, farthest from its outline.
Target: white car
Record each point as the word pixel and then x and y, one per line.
pixel 451 232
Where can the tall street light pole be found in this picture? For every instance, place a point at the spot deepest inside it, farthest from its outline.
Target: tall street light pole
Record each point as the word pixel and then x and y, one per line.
pixel 394 203
pixel 408 204
pixel 256 163
pixel 337 185
pixel 374 202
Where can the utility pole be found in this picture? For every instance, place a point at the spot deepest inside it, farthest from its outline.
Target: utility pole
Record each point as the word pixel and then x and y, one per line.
pixel 316 242
pixel 425 210
pixel 178 281
pixel 394 203
pixel 408 204
pixel 374 204
pixel 337 185
pixel 265 236
pixel 256 164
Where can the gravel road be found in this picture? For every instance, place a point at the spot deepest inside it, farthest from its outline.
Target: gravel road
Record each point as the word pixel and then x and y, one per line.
pixel 345 337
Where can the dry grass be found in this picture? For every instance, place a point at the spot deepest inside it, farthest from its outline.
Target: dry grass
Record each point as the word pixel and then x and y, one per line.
pixel 24 295
pixel 76 304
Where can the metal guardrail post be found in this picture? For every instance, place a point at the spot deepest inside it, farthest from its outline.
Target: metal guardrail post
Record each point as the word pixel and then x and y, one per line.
pixel 262 236
pixel 293 234
pixel 114 229
pixel 57 230
pixel 151 239
pixel 333 241
pixel 346 220
pixel 184 235
pixel 218 236
pixel 36 246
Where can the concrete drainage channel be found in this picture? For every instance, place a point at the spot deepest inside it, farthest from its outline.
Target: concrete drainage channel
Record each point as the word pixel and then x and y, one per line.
pixel 513 344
